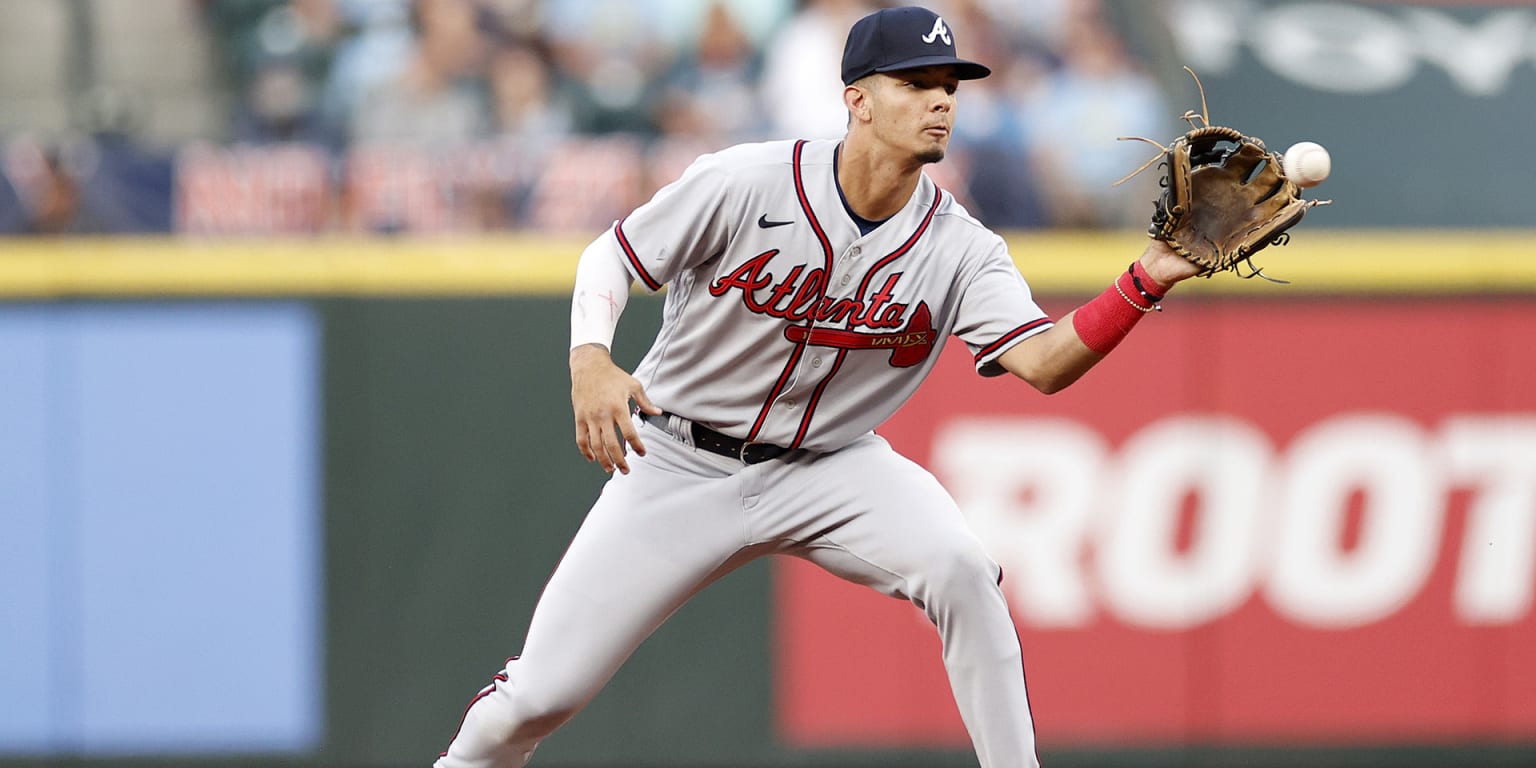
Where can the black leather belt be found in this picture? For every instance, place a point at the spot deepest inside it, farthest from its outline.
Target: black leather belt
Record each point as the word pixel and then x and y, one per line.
pixel 725 445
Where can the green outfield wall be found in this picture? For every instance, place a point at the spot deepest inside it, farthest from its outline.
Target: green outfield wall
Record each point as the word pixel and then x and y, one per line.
pixel 453 485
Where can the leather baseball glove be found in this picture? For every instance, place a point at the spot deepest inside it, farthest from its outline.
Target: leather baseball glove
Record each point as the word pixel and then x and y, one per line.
pixel 1225 196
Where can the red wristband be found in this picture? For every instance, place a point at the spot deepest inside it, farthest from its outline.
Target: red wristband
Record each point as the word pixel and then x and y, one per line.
pixel 1104 321
pixel 1149 289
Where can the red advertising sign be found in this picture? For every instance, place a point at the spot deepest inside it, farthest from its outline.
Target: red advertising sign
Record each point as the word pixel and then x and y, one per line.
pixel 1301 522
pixel 252 190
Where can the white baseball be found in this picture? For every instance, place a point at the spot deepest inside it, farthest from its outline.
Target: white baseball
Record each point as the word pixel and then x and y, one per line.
pixel 1307 163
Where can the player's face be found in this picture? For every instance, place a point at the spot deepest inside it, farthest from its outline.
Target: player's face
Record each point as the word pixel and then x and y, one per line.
pixel 915 111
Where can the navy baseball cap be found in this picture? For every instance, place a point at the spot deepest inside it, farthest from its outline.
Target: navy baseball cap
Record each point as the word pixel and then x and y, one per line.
pixel 903 38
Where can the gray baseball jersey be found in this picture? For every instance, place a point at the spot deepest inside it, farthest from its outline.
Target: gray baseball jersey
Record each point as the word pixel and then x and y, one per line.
pixel 783 324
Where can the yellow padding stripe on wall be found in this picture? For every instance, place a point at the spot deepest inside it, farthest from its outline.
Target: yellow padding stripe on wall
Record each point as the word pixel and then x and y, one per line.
pixel 1352 261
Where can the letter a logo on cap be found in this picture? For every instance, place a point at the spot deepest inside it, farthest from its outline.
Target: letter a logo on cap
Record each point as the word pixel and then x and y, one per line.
pixel 939 31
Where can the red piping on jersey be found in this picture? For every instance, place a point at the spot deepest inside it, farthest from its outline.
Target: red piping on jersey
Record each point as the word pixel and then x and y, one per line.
pixel 938 196
pixel 634 260
pixel 810 321
pixel 810 408
pixel 1011 335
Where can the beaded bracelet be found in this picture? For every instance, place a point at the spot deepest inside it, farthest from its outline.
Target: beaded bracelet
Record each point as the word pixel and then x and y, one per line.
pixel 1139 308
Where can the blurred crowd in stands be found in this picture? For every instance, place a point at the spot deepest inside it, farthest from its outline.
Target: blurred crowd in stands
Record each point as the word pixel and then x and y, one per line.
pixel 560 115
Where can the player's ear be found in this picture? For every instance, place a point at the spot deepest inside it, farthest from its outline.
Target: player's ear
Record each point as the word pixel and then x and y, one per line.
pixel 856 98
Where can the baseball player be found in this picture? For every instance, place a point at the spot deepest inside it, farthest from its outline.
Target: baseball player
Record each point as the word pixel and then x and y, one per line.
pixel 811 286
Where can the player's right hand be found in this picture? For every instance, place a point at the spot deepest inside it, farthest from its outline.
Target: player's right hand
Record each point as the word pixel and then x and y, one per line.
pixel 601 393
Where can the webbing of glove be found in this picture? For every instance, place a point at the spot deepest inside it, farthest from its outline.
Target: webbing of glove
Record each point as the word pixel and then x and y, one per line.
pixel 1225 197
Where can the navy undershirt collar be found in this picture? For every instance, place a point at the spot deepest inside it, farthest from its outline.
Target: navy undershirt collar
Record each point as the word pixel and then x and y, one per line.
pixel 865 225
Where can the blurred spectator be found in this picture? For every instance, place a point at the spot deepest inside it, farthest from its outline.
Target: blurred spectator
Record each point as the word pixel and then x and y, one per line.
pixel 611 54
pixel 525 104
pixel 710 94
pixel 757 19
pixel 438 98
pixel 99 185
pixel 549 113
pixel 801 91
pixel 277 57
pixel 377 44
pixel 48 199
pixel 1039 24
pixel 282 106
pixel 1096 96
pixel 991 139
pixel 13 216
pixel 532 120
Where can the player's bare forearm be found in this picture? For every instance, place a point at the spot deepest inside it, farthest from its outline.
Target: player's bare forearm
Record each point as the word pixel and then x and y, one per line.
pixel 1052 360
pixel 1056 358
pixel 601 393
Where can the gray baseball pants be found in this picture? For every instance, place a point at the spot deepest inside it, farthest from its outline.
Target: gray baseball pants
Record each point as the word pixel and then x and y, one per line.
pixel 684 517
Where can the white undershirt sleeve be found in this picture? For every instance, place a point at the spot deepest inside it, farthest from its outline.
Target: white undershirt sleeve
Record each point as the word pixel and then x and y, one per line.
pixel 602 290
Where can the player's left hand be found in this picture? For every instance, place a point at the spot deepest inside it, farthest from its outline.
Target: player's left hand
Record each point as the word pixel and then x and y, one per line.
pixel 601 393
pixel 1165 265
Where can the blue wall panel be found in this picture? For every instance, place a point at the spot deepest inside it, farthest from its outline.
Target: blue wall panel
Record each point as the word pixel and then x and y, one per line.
pixel 166 488
pixel 27 718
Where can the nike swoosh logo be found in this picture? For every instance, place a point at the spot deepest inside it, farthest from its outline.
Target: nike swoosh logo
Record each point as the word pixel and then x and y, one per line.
pixel 762 221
